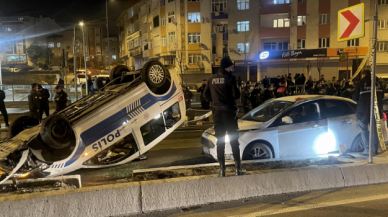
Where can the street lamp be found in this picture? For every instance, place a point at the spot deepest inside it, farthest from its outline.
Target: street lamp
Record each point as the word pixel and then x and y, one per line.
pixel 86 74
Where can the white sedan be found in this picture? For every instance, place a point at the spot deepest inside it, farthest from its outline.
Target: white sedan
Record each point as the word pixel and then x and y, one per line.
pixel 294 127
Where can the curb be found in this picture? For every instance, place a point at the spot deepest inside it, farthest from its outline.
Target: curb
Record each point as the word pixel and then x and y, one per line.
pixel 150 196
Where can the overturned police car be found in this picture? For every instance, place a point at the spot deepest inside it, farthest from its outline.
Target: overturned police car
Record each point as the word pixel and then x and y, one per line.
pixel 114 126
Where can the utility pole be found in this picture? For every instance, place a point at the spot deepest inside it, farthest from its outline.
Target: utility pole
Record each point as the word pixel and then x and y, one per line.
pixel 86 73
pixel 373 87
pixel 74 65
pixel 107 35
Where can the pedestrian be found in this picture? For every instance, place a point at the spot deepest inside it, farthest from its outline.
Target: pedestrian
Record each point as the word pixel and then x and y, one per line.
pixel 291 85
pixel 2 108
pixel 60 81
pixel 348 92
pixel 33 101
pixel 245 96
pixel 309 83
pixel 330 90
pixel 266 82
pixel 312 90
pixel 268 93
pixel 223 92
pixel 44 96
pixel 361 95
pixel 90 83
pixel 255 96
pixel 188 96
pixel 60 99
pixel 322 78
pixel 204 103
pixel 282 90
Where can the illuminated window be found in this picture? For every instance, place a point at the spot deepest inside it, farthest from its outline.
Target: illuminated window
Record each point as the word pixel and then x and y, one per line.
pixel 242 4
pixel 218 5
pixel 276 2
pixel 243 26
pixel 243 48
pixel 279 23
pixel 194 17
pixel 50 44
pixel 301 20
pixel 58 44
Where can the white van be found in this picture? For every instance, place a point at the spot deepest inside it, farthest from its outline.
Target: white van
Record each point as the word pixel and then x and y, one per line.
pixel 109 128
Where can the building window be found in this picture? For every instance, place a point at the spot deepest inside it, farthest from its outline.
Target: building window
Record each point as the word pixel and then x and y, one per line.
pixel 242 4
pixel 194 17
pixel 58 44
pixel 301 43
pixel 195 58
pixel 301 0
pixel 171 16
pixel 130 44
pixel 354 42
pixel 270 46
pixel 171 37
pixel 382 24
pixel 283 45
pixel 280 23
pixel 129 29
pixel 130 13
pixel 243 26
pixel 276 2
pixel 170 1
pixel 163 21
pixel 382 46
pixel 324 18
pixel 113 57
pixel 156 21
pixel 7 29
pixel 194 38
pixel 20 18
pixel 301 20
pixel 218 5
pixel 162 3
pixel 164 41
pixel 382 2
pixel 324 42
pixel 50 44
pixel 243 47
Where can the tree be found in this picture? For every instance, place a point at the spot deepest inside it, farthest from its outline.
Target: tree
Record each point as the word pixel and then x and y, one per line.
pixel 39 55
pixel 320 62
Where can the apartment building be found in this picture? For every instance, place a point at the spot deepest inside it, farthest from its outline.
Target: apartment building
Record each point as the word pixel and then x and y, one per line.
pixel 18 33
pixel 113 50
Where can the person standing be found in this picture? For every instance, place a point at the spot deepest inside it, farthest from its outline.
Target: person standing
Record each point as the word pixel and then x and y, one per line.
pixel 204 103
pixel 188 96
pixel 361 95
pixel 33 101
pixel 44 97
pixel 268 93
pixel 266 82
pixel 245 96
pixel 255 96
pixel 60 99
pixel 3 110
pixel 222 90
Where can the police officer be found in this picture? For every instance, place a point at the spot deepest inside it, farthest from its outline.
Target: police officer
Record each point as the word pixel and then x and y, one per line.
pixel 34 102
pixel 362 96
pixel 60 98
pixel 44 96
pixel 2 108
pixel 223 92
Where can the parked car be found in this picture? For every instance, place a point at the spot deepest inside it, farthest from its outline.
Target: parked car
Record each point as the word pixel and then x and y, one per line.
pixel 55 68
pixel 82 71
pixel 294 127
pixel 109 128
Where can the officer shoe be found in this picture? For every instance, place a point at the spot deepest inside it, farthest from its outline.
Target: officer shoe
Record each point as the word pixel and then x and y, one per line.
pixel 239 171
pixel 222 168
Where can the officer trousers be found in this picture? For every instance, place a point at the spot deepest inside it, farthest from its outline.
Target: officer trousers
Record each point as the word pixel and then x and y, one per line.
pixel 364 125
pixel 4 112
pixel 35 115
pixel 226 122
pixel 44 107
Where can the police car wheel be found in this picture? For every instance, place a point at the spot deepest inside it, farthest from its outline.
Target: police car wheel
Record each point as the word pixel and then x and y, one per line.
pixel 154 74
pixel 20 124
pixel 117 71
pixel 56 131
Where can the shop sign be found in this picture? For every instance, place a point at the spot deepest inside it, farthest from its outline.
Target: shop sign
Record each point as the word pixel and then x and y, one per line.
pixel 242 63
pixel 289 54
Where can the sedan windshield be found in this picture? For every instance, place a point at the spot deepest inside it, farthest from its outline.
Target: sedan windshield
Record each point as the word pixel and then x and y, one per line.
pixel 267 111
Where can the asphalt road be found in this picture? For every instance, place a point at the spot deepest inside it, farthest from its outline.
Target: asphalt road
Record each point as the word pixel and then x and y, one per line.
pixel 182 147
pixel 365 201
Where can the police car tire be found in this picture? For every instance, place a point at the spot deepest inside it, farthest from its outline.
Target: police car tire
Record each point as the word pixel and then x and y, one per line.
pixel 146 74
pixel 20 124
pixel 56 131
pixel 117 70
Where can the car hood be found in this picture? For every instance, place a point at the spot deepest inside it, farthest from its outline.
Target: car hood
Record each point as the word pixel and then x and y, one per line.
pixel 242 126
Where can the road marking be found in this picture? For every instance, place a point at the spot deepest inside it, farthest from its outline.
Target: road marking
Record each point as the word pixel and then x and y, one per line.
pixel 314 206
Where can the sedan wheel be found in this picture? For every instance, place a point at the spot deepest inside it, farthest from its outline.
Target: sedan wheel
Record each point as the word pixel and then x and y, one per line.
pixel 257 151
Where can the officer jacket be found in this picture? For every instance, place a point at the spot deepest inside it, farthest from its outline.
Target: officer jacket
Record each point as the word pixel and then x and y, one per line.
pixel 61 103
pixel 45 95
pixel 33 101
pixel 222 90
pixel 361 95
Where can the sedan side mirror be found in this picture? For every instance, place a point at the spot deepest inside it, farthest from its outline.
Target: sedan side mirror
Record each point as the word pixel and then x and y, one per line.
pixel 287 120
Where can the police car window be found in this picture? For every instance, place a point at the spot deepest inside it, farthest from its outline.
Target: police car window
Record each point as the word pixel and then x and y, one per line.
pixel 302 113
pixel 172 115
pixel 336 108
pixel 153 129
pixel 267 111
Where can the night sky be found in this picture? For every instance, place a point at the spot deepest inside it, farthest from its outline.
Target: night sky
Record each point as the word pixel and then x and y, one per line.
pixel 66 12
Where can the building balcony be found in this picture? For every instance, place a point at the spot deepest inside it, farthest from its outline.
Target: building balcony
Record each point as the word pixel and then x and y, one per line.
pixel 275 9
pixel 219 15
pixel 134 52
pixel 275 32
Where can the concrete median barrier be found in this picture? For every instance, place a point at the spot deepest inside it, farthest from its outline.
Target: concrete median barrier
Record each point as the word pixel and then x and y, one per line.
pixel 150 196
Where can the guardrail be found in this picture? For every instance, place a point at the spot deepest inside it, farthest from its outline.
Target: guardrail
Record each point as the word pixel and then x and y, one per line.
pixel 18 93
